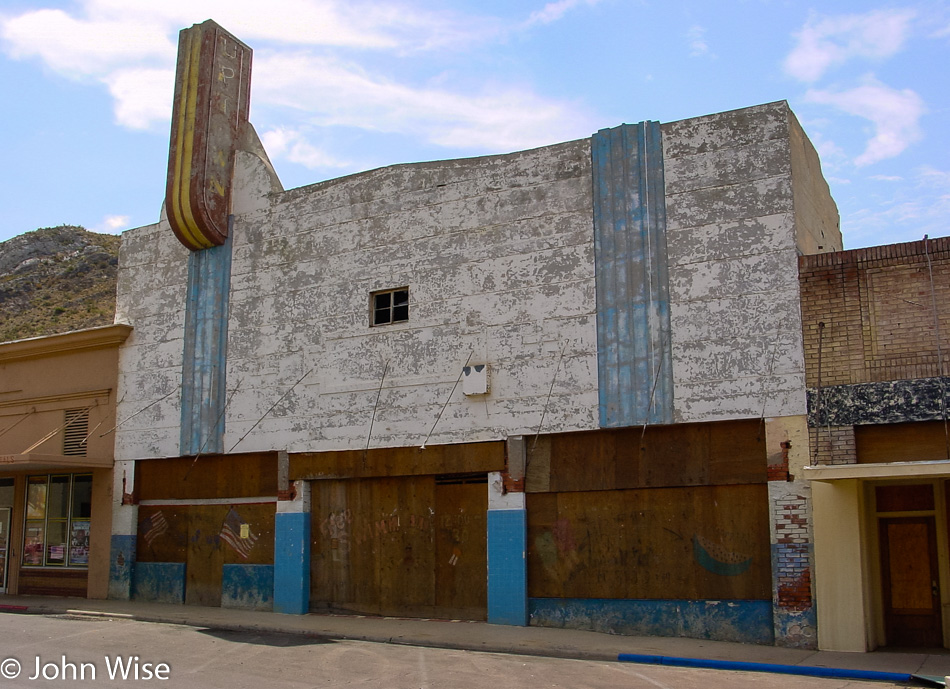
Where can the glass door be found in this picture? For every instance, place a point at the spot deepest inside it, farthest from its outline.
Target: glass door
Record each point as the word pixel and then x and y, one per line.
pixel 4 546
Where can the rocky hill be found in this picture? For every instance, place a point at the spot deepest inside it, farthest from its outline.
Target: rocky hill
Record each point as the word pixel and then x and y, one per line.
pixel 56 279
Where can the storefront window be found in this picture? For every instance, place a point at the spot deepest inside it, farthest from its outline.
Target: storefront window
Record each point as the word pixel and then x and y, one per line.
pixel 58 511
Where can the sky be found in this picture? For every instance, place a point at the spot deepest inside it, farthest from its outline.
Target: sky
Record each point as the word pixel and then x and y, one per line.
pixel 339 87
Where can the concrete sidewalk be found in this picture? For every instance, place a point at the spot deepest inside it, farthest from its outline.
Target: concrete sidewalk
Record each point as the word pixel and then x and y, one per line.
pixel 480 636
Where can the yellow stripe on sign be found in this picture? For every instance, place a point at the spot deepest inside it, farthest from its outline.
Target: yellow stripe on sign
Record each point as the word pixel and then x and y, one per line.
pixel 185 146
pixel 180 163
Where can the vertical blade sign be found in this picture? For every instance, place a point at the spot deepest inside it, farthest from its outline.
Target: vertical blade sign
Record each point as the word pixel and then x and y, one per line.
pixel 212 104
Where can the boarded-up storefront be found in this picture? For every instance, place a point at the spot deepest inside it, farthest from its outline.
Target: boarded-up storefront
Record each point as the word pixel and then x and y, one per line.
pixel 663 531
pixel 411 545
pixel 206 530
pixel 400 531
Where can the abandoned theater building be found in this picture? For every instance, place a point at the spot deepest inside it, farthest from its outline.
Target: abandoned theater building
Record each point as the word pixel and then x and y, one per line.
pixel 564 386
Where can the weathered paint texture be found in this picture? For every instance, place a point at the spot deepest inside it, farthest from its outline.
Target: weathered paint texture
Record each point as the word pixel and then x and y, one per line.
pixel 159 582
pixel 744 621
pixel 633 316
pixel 250 587
pixel 121 566
pixel 204 363
pixel 738 203
pixel 895 401
pixel 292 563
pixel 507 570
pixel 795 615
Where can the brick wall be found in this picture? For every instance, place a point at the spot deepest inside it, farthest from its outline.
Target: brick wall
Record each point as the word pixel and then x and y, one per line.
pixel 877 309
pixel 832 445
pixel 792 552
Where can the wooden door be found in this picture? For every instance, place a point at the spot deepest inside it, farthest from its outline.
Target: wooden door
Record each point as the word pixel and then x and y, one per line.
pixel 911 582
pixel 412 546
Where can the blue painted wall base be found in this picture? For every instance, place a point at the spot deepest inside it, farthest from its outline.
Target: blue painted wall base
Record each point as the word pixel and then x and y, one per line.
pixel 159 582
pixel 292 563
pixel 507 567
pixel 250 587
pixel 121 565
pixel 744 621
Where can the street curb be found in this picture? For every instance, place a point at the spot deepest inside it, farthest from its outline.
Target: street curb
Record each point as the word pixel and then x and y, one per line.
pixel 775 668
pixel 487 647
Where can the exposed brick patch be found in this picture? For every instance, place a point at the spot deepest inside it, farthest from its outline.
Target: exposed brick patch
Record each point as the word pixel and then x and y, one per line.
pixel 791 568
pixel 832 445
pixel 794 577
pixel 779 472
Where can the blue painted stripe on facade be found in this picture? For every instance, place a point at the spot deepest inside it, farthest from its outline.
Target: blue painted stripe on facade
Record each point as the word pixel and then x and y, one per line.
pixel 292 563
pixel 507 568
pixel 121 565
pixel 250 587
pixel 159 582
pixel 744 621
pixel 204 380
pixel 632 274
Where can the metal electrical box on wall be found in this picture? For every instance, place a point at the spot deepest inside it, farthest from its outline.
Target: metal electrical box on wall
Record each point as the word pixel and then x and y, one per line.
pixel 475 379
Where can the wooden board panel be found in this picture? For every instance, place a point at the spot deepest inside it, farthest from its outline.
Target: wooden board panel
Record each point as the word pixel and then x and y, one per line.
pixel 163 534
pixel 182 524
pixel 72 582
pixel 211 476
pixel 204 556
pixel 681 543
pixel 900 442
pixel 400 461
pixel 399 546
pixel 720 453
pixel 461 556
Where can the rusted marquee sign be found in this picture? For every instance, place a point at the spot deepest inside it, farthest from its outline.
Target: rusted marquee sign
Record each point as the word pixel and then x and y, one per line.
pixel 212 103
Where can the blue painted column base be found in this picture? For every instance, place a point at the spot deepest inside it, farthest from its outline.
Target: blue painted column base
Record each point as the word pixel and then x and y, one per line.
pixel 292 563
pixel 121 566
pixel 507 567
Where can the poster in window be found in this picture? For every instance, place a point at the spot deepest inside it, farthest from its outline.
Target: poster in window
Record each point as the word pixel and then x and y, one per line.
pixel 36 500
pixel 33 544
pixel 56 543
pixel 79 543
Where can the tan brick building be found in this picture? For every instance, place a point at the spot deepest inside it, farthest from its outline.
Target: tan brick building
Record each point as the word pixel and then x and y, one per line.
pixel 876 323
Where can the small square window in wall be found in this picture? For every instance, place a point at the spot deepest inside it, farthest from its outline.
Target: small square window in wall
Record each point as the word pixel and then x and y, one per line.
pixel 390 306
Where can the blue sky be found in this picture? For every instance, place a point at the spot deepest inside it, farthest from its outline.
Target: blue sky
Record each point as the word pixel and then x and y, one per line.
pixel 339 87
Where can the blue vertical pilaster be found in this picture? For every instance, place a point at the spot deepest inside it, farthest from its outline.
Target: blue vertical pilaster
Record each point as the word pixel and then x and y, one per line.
pixel 203 386
pixel 292 553
pixel 507 567
pixel 633 303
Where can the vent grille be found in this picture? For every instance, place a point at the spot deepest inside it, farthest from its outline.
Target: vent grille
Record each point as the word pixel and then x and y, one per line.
pixel 75 432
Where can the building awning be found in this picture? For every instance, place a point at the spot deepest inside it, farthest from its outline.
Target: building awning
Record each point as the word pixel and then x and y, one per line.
pixel 885 470
pixel 33 461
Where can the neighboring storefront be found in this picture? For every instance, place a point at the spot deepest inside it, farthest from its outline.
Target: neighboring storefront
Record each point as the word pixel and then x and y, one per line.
pixel 57 417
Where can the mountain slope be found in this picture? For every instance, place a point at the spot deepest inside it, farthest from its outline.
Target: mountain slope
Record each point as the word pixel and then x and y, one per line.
pixel 56 279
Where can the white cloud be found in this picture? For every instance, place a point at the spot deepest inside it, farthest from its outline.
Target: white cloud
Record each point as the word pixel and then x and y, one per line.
pixel 500 118
pixel 292 145
pixel 130 47
pixel 554 11
pixel 887 178
pixel 113 224
pixel 143 97
pixel 697 41
pixel 78 47
pixel 894 114
pixel 825 42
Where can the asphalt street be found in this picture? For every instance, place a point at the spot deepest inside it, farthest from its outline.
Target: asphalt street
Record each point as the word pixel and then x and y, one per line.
pixel 59 650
